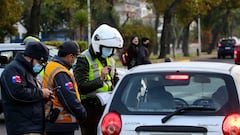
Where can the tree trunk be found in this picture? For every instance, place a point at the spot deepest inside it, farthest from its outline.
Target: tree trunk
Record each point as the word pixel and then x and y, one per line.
pixel 167 28
pixel 206 39
pixel 2 38
pixel 185 47
pixel 156 47
pixel 34 26
pixel 164 36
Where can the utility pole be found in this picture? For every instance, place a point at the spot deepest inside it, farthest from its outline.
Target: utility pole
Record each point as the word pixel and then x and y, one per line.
pixel 89 23
pixel 199 34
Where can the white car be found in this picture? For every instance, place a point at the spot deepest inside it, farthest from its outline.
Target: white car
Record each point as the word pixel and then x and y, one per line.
pixel 7 53
pixel 175 98
pixel 121 71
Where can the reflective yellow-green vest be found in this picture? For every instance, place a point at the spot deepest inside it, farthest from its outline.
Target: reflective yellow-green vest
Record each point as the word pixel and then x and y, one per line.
pixel 95 69
pixel 30 39
pixel 51 70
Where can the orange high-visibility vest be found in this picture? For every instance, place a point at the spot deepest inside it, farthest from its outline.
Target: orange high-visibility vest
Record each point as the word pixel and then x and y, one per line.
pixel 51 70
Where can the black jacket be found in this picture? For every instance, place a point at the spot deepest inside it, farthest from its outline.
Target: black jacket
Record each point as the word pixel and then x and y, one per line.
pixel 81 71
pixel 133 51
pixel 68 100
pixel 143 55
pixel 22 99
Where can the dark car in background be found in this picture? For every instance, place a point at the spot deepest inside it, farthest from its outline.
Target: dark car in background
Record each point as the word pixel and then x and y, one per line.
pixel 226 47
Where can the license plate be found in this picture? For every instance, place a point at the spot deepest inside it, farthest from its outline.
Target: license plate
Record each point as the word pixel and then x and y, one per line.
pixel 227 48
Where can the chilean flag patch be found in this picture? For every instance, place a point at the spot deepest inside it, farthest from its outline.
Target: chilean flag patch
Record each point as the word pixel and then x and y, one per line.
pixel 69 85
pixel 16 79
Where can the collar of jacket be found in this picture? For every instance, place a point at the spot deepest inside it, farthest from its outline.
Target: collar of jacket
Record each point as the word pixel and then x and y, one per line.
pixel 19 57
pixel 61 61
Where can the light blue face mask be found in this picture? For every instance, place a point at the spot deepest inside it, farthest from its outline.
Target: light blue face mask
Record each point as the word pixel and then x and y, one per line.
pixel 37 68
pixel 106 52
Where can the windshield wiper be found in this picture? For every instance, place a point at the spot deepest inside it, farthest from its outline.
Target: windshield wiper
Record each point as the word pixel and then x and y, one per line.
pixel 184 109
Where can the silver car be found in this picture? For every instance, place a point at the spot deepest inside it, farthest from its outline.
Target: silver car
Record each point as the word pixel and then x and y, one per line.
pixel 175 98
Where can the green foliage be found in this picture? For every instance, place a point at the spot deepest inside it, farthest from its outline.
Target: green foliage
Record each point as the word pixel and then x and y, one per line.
pixel 82 45
pixel 10 11
pixel 160 5
pixel 80 18
pixel 104 12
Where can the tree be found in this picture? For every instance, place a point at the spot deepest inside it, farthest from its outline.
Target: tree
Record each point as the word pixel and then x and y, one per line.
pixel 167 8
pixel 167 28
pixel 103 12
pixel 223 14
pixel 47 16
pixel 10 12
pixel 80 20
pixel 34 23
pixel 190 11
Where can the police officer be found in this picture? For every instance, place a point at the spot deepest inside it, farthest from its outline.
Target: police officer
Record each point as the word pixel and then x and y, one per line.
pixel 28 39
pixel 65 112
pixel 96 75
pixel 23 99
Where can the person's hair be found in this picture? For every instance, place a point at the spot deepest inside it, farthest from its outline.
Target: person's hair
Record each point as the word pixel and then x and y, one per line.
pixel 61 52
pixel 132 37
pixel 144 39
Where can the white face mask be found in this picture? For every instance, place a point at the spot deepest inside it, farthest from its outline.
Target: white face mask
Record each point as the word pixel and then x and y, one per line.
pixel 106 52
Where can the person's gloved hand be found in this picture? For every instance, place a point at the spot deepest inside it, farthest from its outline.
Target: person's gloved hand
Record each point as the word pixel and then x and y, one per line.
pixel 105 71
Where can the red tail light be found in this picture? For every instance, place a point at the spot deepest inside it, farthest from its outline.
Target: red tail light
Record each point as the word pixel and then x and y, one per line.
pixel 177 77
pixel 111 124
pixel 219 44
pixel 231 124
pixel 235 44
pixel 235 51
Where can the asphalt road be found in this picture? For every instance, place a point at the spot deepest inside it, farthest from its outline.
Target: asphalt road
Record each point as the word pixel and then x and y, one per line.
pixel 4 132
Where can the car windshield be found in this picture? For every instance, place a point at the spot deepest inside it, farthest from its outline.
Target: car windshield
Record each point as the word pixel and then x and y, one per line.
pixel 149 93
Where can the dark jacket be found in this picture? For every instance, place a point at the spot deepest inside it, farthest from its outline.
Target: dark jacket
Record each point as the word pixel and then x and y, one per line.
pixel 68 100
pixel 81 73
pixel 143 55
pixel 22 98
pixel 133 51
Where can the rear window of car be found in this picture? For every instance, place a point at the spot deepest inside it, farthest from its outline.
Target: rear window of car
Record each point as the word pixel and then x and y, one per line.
pixel 228 41
pixel 154 93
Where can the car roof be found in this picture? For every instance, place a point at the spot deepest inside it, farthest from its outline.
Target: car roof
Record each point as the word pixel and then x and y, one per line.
pixel 11 46
pixel 185 66
pixel 17 46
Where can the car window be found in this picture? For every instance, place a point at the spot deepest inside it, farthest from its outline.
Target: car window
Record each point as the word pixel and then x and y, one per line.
pixel 229 41
pixel 167 92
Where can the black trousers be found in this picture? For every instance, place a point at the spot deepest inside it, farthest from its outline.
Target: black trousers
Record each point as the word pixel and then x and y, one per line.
pixel 94 112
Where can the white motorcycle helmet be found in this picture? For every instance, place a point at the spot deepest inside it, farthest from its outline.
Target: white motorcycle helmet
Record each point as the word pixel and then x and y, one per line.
pixel 106 36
